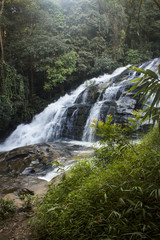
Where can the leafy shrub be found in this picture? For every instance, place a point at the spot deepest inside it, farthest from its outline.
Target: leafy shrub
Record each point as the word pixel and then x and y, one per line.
pixel 7 208
pixel 102 65
pixel 133 56
pixel 148 85
pixel 120 201
pixel 115 138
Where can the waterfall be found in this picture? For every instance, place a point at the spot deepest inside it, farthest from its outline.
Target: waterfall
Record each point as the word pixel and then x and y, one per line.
pixel 114 93
pixel 94 115
pixel 69 118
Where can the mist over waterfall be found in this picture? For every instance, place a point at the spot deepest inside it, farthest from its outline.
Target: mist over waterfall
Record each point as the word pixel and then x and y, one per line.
pixel 69 118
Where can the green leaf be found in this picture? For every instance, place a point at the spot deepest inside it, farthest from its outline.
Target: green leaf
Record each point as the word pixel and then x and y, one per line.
pixel 151 73
pixel 156 99
pixel 135 80
pixel 139 70
pixel 151 92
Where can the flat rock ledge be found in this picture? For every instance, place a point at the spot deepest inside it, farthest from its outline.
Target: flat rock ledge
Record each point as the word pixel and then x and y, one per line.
pixel 21 168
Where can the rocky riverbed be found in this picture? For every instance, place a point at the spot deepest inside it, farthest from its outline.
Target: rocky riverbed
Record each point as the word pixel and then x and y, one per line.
pixel 24 169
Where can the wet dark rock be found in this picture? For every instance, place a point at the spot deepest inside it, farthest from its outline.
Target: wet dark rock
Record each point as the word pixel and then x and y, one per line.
pixel 20 168
pixel 33 159
pixel 108 107
pixel 75 120
pixel 17 160
pixel 93 94
pixel 89 95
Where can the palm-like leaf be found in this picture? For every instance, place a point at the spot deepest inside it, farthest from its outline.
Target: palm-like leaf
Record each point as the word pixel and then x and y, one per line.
pixel 149 86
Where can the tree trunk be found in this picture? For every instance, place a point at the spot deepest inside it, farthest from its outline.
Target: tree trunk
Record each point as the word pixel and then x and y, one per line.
pixel 2 59
pixel 62 89
pixel 1 43
pixel 1 31
pixel 31 80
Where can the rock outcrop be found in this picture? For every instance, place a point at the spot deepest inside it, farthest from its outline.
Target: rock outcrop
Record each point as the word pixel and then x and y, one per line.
pixel 22 168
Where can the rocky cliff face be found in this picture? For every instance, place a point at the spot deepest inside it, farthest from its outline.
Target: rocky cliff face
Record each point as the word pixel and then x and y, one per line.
pixel 101 100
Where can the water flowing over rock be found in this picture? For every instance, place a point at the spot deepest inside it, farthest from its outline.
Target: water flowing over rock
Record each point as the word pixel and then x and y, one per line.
pixel 69 118
pixel 31 166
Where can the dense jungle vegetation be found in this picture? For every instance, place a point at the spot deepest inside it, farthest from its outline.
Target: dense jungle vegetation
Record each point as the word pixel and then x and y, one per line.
pixel 50 46
pixel 114 195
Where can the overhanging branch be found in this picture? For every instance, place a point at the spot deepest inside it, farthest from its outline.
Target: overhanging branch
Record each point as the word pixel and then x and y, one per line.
pixel 157 3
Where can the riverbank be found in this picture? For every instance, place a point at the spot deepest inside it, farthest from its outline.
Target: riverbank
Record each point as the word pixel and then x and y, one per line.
pixel 25 170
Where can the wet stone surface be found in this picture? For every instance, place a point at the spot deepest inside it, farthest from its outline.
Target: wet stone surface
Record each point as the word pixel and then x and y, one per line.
pixel 21 167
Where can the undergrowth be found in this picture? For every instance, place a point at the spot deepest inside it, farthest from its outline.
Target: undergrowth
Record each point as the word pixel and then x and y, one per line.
pixel 119 200
pixel 7 208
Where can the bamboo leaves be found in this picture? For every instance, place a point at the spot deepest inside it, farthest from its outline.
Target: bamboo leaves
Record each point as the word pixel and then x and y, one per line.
pixel 148 85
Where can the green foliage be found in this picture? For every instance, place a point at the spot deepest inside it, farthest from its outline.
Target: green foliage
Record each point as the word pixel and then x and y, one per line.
pixel 133 56
pixel 12 98
pixel 149 86
pixel 34 105
pixel 63 68
pixel 115 138
pixel 120 201
pixel 7 208
pixel 104 35
pixel 102 64
pixel 27 201
pixel 12 83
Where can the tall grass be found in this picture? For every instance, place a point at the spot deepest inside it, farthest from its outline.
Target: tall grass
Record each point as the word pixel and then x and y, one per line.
pixel 119 201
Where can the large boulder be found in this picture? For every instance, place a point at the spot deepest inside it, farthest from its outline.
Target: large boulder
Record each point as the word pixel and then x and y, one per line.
pixel 38 157
pixel 76 118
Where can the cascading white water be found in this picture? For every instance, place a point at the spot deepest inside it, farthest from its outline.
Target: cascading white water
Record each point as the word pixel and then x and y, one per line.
pixel 111 94
pixel 94 115
pixel 49 125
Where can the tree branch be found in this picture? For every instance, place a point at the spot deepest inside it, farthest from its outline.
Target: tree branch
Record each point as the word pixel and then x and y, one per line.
pixel 157 3
pixel 1 35
pixel 2 7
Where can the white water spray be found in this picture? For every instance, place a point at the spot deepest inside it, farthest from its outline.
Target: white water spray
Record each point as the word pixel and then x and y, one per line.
pixel 49 124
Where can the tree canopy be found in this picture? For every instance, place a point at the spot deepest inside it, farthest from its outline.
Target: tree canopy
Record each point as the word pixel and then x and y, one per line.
pixel 38 36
